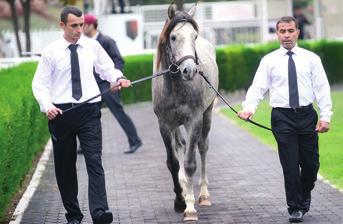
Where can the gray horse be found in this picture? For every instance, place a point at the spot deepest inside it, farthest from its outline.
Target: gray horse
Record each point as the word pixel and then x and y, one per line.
pixel 183 98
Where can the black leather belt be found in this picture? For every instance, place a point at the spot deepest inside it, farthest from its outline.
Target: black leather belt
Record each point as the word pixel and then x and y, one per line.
pixel 296 110
pixel 64 106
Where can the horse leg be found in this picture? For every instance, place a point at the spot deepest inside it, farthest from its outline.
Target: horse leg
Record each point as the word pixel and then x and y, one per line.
pixel 204 195
pixel 180 145
pixel 181 148
pixel 173 165
pixel 194 132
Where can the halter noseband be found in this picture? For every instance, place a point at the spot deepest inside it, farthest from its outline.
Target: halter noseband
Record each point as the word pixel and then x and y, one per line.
pixel 174 68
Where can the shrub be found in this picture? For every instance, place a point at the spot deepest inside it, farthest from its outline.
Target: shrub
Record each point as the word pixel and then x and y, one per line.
pixel 23 130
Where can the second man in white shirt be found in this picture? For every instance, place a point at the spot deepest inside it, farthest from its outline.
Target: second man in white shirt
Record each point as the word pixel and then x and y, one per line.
pixel 295 78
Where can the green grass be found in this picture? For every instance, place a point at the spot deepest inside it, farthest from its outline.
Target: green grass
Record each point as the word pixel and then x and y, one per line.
pixel 330 143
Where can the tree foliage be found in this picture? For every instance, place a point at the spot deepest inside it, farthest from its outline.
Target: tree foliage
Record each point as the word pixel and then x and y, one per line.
pixel 302 3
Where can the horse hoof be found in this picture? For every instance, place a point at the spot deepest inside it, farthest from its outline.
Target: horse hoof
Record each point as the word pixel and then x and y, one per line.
pixel 204 201
pixel 179 206
pixel 190 216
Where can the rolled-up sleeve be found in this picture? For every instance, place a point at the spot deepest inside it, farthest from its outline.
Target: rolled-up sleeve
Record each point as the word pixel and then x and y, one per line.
pixel 258 88
pixel 104 66
pixel 321 89
pixel 41 83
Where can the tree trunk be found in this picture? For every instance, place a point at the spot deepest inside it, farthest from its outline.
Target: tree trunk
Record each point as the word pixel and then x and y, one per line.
pixel 179 5
pixel 69 2
pixel 27 11
pixel 86 6
pixel 15 23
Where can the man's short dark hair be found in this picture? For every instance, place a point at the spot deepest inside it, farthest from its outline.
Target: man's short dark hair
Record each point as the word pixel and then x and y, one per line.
pixel 287 19
pixel 70 10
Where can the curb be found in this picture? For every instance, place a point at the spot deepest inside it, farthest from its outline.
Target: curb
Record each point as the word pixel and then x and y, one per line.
pixel 30 190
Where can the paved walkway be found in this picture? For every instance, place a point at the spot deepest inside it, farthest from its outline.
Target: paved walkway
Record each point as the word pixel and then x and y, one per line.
pixel 246 182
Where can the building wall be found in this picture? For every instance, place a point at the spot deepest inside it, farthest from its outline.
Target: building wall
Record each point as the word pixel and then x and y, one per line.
pixel 278 8
pixel 332 17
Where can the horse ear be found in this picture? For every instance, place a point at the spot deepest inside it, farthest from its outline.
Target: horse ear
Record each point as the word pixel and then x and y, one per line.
pixel 191 12
pixel 171 11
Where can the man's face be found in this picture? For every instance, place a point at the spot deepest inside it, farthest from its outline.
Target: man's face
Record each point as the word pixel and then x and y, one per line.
pixel 73 28
pixel 287 34
pixel 87 29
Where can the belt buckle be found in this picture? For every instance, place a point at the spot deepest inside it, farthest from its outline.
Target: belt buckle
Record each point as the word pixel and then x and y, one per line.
pixel 74 104
pixel 296 109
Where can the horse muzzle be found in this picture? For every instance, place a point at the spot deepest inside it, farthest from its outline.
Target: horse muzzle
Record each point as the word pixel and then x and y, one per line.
pixel 188 69
pixel 185 66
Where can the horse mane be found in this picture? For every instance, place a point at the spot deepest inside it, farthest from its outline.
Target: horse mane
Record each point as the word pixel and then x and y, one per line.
pixel 168 27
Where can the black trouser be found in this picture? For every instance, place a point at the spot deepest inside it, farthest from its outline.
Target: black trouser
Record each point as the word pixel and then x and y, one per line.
pixel 85 123
pixel 113 102
pixel 297 142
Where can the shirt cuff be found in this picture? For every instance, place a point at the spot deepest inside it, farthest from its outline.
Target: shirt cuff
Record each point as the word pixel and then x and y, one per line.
pixel 325 118
pixel 250 108
pixel 116 76
pixel 121 77
pixel 46 107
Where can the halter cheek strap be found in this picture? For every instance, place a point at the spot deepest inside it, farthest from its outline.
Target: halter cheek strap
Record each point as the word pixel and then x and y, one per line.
pixel 174 66
pixel 171 61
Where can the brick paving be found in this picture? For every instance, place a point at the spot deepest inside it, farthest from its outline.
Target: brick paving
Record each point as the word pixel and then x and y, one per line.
pixel 246 183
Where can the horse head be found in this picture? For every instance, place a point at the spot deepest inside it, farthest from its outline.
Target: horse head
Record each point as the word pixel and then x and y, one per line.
pixel 177 43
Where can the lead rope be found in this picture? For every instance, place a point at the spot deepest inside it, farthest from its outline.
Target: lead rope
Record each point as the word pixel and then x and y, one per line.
pixel 227 103
pixel 165 71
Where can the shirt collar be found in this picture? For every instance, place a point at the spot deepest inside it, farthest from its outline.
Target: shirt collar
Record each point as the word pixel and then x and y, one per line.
pixel 284 51
pixel 80 42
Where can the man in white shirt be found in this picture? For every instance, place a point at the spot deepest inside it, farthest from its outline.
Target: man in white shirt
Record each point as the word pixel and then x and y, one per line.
pixel 294 77
pixel 63 79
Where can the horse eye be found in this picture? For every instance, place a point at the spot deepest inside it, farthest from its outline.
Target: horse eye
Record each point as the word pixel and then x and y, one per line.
pixel 173 38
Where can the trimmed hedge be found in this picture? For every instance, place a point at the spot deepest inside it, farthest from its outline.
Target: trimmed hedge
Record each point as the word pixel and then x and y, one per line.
pixel 137 67
pixel 331 55
pixel 237 66
pixel 23 130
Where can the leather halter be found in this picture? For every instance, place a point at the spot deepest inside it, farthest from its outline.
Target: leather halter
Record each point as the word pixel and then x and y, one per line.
pixel 173 65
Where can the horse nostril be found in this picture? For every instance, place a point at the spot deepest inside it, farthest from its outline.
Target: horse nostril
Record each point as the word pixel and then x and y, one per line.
pixel 185 71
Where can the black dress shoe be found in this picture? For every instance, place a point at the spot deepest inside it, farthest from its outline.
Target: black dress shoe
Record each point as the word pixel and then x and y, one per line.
pixel 74 221
pixel 296 216
pixel 134 148
pixel 104 218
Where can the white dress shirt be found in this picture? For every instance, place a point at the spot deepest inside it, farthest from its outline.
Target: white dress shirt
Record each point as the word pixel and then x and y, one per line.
pixel 272 75
pixel 52 80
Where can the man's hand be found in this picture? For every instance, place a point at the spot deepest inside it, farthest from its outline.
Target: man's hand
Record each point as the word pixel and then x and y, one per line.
pixel 120 83
pixel 323 126
pixel 53 112
pixel 245 115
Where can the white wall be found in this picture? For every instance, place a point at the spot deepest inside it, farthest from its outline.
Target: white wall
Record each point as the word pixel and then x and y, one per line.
pixel 117 26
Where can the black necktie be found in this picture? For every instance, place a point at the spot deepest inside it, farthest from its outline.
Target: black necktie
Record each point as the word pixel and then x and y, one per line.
pixel 75 72
pixel 292 82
